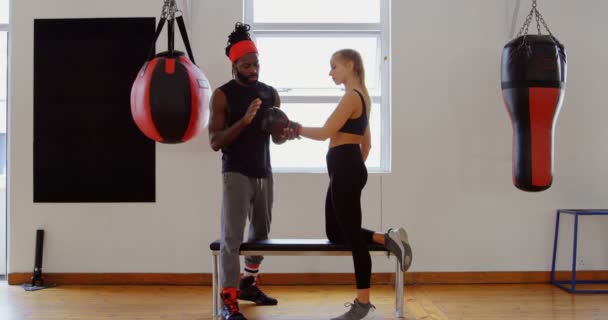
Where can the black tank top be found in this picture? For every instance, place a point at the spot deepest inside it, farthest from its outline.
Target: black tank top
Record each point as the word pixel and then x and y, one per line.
pixel 249 153
pixel 358 125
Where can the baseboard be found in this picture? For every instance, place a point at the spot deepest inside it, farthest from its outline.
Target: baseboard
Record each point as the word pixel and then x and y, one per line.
pixel 306 278
pixel 115 278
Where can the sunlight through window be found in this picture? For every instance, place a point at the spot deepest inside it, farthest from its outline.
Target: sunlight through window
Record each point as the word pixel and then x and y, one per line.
pixel 295 40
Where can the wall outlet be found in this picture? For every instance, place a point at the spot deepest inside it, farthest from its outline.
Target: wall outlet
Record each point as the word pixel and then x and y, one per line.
pixel 580 262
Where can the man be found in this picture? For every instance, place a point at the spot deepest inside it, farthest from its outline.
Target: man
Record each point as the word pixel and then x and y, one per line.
pixel 235 128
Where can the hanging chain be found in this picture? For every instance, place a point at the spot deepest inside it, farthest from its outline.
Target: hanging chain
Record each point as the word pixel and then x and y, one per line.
pixel 539 16
pixel 524 28
pixel 534 13
pixel 169 9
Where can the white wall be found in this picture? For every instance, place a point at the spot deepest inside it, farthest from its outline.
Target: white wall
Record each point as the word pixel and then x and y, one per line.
pixel 452 144
pixel 451 179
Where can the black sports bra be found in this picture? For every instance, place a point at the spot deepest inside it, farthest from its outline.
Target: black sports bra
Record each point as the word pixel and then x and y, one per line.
pixel 358 125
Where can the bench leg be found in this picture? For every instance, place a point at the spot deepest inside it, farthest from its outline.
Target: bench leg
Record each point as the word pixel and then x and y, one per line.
pixel 215 288
pixel 398 290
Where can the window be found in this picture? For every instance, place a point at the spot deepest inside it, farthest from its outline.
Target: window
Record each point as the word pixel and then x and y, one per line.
pixel 3 84
pixel 3 105
pixel 296 40
pixel 3 88
pixel 4 12
pixel 3 98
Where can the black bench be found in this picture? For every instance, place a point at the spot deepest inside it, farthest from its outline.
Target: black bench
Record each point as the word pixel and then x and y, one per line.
pixel 299 247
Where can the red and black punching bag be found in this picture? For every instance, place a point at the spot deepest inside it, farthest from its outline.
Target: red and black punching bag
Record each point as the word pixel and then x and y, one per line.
pixel 533 76
pixel 170 96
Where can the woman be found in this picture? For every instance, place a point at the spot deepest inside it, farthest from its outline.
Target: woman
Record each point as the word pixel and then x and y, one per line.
pixel 350 142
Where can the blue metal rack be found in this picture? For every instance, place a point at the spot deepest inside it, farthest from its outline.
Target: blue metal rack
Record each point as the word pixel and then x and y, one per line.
pixel 570 285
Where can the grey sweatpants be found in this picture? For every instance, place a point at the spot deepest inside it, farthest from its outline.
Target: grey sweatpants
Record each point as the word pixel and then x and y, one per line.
pixel 243 197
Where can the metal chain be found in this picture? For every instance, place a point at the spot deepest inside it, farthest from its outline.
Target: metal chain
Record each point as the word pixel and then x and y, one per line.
pixel 534 13
pixel 524 28
pixel 169 9
pixel 537 20
pixel 539 16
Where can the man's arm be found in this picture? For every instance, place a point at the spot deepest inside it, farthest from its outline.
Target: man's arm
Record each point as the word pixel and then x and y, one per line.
pixel 219 134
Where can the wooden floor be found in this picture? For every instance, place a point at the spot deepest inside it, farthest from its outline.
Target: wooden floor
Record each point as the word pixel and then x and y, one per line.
pixel 432 302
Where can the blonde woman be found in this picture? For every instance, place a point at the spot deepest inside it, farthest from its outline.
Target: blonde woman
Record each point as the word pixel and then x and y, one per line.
pixel 350 143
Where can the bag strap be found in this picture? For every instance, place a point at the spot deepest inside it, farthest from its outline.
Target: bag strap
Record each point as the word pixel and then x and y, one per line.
pixel 159 28
pixel 184 33
pixel 171 37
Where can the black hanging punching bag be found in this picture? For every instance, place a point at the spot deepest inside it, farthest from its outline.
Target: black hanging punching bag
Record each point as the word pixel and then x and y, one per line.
pixel 170 96
pixel 533 76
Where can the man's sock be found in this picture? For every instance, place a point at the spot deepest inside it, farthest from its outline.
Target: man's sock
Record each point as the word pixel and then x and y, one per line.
pixel 251 270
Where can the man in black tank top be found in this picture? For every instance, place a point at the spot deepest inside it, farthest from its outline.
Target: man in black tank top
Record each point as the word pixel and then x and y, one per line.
pixel 235 128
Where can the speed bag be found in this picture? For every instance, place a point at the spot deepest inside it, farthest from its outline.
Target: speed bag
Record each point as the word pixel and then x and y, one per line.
pixel 533 76
pixel 170 98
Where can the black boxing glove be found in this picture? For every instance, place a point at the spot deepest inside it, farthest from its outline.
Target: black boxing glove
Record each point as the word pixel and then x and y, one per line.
pixel 275 121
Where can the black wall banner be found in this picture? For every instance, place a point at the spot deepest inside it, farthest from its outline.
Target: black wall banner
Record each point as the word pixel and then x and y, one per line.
pixel 87 147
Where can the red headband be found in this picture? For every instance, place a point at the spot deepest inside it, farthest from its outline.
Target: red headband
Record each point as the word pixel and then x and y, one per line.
pixel 241 48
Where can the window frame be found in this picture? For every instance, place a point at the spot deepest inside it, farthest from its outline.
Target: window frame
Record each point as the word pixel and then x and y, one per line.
pixel 379 30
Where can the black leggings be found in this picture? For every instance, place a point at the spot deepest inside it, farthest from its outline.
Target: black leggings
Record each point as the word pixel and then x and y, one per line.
pixel 347 177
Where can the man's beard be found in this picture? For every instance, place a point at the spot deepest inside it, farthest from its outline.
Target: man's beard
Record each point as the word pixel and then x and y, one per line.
pixel 244 79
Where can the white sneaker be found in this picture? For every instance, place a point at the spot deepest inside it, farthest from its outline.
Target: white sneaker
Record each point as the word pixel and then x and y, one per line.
pixel 396 241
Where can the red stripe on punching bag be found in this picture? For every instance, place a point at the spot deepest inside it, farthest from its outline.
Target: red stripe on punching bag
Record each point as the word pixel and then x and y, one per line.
pixel 140 101
pixel 169 66
pixel 543 102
